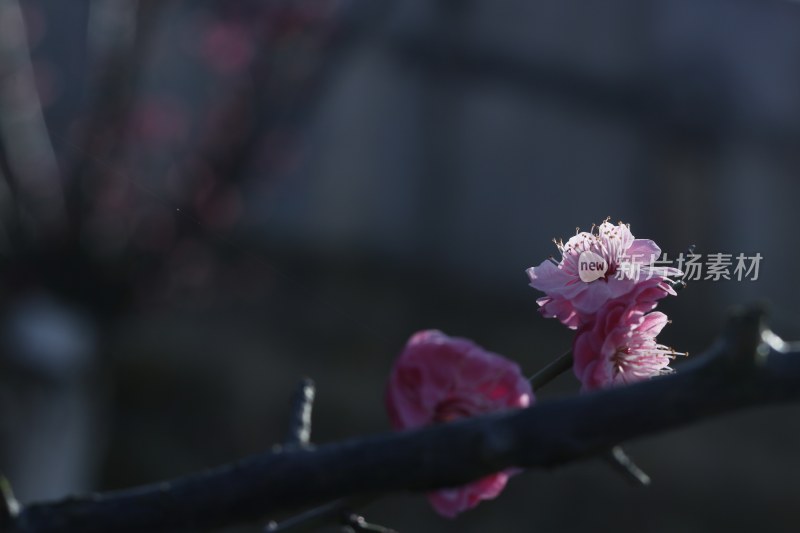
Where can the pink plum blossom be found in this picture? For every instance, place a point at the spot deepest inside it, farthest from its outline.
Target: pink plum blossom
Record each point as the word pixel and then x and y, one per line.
pixel 620 347
pixel 439 379
pixel 628 271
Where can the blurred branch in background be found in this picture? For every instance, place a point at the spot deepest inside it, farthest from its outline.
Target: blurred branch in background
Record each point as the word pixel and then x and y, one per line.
pixel 297 51
pixel 749 366
pixel 107 216
pixel 121 56
pixel 25 148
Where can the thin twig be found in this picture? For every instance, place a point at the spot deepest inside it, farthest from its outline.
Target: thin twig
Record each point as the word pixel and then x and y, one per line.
pixel 9 506
pixel 356 523
pixel 329 513
pixel 619 460
pixel 310 520
pixel 300 417
pixel 680 283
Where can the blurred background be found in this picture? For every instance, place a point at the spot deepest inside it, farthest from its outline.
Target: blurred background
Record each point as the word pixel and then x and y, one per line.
pixel 202 202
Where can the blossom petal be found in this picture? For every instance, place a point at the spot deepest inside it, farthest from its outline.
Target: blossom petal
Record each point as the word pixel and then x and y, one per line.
pixel 643 251
pixel 439 378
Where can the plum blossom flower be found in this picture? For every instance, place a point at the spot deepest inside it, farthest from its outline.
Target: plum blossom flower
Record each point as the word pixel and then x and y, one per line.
pixel 620 347
pixel 439 379
pixel 621 266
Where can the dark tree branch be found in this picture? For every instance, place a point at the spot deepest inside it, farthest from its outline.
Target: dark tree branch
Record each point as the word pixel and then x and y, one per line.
pixel 747 367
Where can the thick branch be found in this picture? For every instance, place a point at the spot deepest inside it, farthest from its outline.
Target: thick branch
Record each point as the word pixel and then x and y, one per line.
pixel 739 371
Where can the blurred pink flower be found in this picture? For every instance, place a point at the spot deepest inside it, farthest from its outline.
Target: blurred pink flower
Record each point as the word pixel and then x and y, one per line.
pixel 451 502
pixel 620 347
pixel 439 379
pixel 626 265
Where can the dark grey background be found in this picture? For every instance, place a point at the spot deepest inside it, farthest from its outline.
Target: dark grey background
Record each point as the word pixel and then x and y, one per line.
pixel 431 158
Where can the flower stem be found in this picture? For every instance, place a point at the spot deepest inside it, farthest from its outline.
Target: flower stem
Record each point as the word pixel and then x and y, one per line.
pixel 552 370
